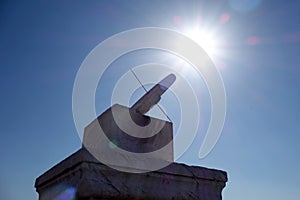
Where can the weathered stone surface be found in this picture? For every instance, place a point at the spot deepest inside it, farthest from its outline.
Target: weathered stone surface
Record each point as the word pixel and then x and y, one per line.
pixel 155 137
pixel 125 141
pixel 83 177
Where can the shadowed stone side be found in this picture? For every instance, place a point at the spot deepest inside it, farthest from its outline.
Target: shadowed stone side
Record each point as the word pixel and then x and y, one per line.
pixel 157 138
pixel 81 176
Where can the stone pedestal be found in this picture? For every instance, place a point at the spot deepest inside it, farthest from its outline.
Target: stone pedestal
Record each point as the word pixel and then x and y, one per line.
pixel 81 176
pixel 111 138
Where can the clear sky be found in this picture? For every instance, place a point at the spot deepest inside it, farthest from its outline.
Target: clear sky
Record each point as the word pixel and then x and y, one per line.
pixel 256 48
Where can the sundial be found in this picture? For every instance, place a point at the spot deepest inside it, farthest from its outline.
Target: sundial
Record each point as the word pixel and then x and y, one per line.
pixel 123 136
pixel 127 154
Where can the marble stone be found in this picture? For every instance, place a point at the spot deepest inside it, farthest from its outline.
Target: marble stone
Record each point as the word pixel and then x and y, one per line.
pixel 116 124
pixel 121 175
pixel 81 176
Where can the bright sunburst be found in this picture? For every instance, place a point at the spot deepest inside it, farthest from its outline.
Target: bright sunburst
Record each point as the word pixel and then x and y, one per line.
pixel 205 39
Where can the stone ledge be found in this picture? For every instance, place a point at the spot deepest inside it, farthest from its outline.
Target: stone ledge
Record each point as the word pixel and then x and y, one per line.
pixel 90 179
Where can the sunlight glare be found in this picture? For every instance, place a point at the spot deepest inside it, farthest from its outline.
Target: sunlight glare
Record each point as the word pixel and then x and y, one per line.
pixel 205 39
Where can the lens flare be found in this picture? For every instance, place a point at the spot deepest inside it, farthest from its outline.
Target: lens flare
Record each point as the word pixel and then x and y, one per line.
pixel 177 20
pixel 252 41
pixel 224 18
pixel 113 144
pixel 67 193
pixel 221 65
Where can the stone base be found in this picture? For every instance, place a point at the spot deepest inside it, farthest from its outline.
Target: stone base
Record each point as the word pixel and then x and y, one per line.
pixel 81 176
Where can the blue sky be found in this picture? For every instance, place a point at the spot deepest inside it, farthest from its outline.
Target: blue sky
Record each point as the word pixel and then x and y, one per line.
pixel 43 43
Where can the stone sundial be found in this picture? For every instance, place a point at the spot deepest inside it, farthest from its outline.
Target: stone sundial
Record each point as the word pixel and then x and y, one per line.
pixel 116 161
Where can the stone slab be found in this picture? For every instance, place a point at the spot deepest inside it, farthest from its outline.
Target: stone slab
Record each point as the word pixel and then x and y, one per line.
pixel 81 176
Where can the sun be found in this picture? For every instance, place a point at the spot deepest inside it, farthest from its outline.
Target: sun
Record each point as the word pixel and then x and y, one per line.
pixel 205 39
